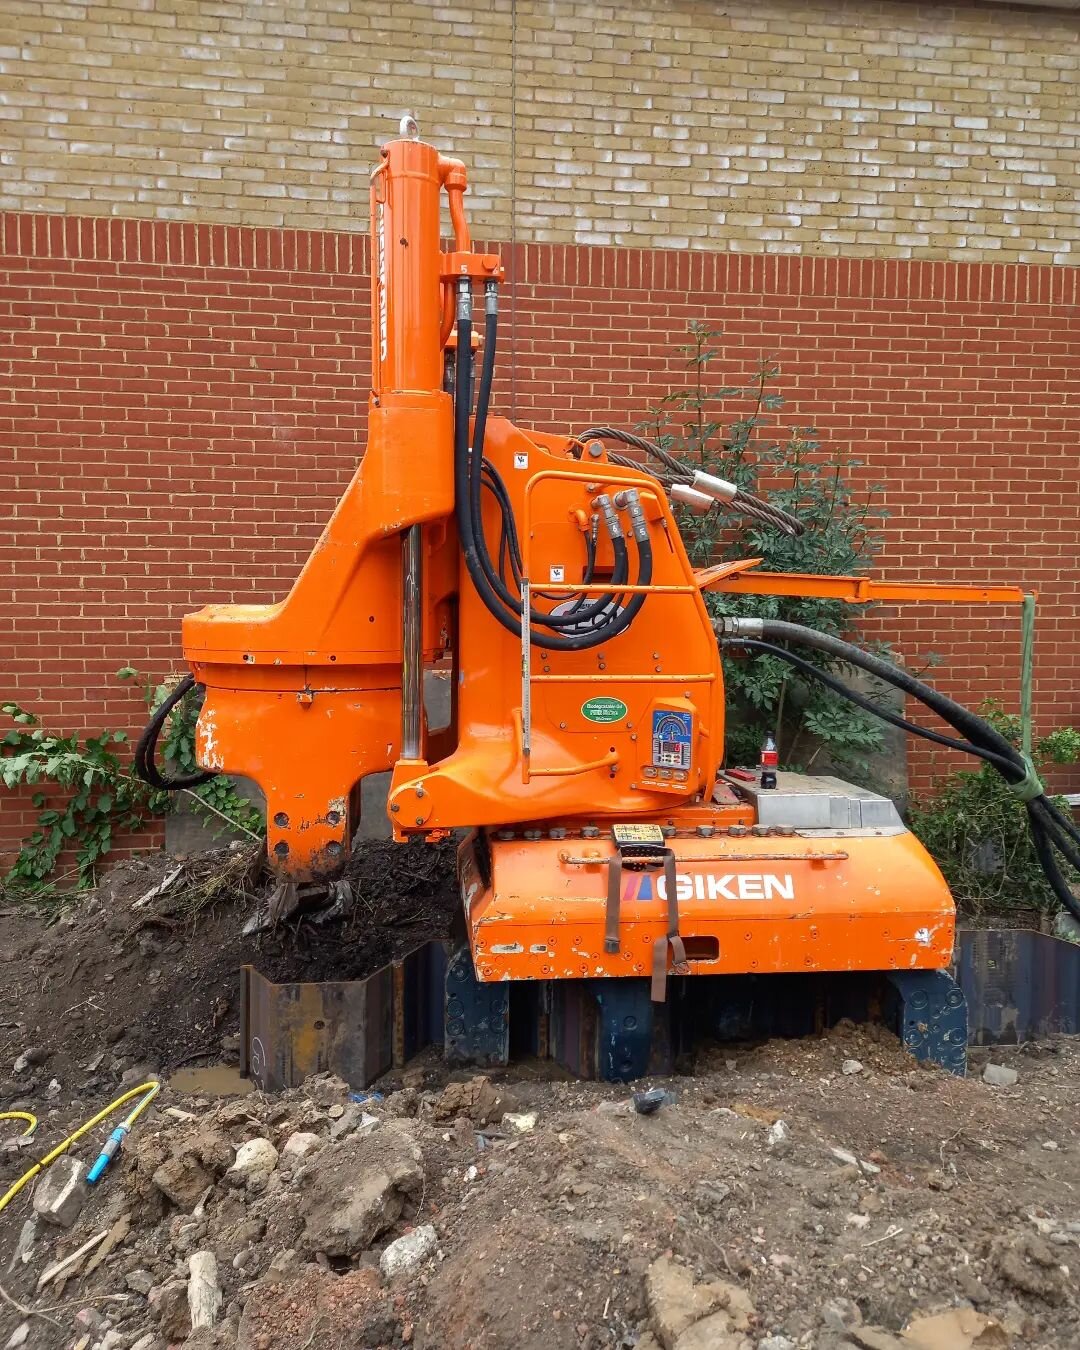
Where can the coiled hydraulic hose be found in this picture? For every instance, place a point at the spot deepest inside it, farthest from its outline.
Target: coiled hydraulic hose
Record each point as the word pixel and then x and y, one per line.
pixel 146 746
pixel 588 612
pixel 468 470
pixel 1050 829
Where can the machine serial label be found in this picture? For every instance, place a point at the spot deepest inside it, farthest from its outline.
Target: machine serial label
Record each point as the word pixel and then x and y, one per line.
pixel 637 834
pixel 604 709
pixel 671 739
pixel 380 229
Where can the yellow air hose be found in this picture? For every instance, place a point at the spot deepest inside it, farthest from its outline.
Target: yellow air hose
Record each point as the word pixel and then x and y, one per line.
pixel 29 1117
pixel 146 1091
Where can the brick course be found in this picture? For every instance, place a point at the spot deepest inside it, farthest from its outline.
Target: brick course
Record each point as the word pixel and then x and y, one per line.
pixel 183 404
pixel 850 128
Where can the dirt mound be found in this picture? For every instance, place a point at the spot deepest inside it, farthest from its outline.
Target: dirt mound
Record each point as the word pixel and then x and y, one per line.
pixel 115 983
pixel 776 1201
pixel 820 1194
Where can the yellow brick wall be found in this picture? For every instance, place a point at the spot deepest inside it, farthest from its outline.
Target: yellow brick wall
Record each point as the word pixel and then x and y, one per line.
pixel 903 129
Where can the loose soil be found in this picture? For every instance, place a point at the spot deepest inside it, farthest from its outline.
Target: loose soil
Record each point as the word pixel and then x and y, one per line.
pixel 843 1202
pixel 158 985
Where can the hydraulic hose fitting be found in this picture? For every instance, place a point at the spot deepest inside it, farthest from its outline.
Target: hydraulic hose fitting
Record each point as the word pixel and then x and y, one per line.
pixel 491 298
pixel 628 500
pixel 464 300
pixel 719 489
pixel 603 504
pixel 698 502
pixel 740 627
pixel 111 1149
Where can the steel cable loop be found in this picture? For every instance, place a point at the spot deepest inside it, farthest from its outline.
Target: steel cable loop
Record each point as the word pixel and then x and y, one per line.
pixel 757 509
pixel 744 502
pixel 640 443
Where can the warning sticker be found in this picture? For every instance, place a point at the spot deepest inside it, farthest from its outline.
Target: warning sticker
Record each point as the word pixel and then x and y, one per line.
pixel 671 738
pixel 637 834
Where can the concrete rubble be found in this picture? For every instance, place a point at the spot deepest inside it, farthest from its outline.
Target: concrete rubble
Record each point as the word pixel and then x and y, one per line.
pixel 61 1193
pixel 454 1215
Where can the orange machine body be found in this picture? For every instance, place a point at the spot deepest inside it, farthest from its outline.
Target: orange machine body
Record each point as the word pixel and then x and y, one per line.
pixel 805 901
pixel 545 749
pixel 304 696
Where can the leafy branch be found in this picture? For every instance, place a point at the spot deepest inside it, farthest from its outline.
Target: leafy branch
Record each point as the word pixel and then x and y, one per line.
pixel 798 474
pixel 86 794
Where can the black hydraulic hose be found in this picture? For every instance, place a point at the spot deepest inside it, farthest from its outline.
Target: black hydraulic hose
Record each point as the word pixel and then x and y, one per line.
pixel 497 488
pixel 1049 828
pixel 590 570
pixel 540 618
pixel 1044 851
pixel 146 746
pixel 1061 834
pixel 860 701
pixel 474 551
pixel 971 726
pixel 509 546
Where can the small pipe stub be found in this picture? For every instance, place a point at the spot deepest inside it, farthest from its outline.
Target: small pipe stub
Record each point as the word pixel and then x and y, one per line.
pixel 717 488
pixel 698 502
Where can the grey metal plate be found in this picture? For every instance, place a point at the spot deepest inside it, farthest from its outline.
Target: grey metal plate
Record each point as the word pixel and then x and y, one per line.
pixel 1020 985
pixel 822 802
pixel 355 1028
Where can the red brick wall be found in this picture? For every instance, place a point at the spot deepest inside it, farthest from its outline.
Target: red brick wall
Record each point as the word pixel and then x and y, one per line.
pixel 181 404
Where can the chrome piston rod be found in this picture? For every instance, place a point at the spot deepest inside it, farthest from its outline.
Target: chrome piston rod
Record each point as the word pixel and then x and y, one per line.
pixel 412 641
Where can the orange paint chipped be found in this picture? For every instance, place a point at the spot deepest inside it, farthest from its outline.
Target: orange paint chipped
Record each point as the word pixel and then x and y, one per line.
pixel 802 902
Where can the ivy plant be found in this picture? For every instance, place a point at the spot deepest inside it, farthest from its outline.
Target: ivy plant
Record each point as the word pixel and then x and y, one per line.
pixel 82 791
pixel 811 725
pixel 86 794
pixel 217 799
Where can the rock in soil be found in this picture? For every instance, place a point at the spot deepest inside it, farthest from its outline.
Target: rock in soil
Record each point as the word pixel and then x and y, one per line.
pixel 479 1100
pixel 61 1193
pixel 405 1253
pixel 357 1188
pixel 1000 1075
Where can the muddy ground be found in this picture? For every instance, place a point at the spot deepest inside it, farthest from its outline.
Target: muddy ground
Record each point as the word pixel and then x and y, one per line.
pixel 821 1193
pixel 156 983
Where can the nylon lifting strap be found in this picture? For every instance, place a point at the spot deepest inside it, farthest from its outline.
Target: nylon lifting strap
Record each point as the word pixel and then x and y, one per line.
pixel 672 940
pixel 640 858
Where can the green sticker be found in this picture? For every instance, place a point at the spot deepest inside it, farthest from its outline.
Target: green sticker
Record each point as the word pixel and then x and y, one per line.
pixel 604 709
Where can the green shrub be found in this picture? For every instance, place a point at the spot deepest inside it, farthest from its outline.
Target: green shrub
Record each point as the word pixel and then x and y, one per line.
pixel 86 794
pixel 977 830
pixel 810 723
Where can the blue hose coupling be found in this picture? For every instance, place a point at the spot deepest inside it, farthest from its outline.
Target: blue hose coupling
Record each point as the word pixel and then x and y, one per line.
pixel 107 1154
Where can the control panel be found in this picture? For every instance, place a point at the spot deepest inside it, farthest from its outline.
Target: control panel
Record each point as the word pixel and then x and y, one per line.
pixel 669 746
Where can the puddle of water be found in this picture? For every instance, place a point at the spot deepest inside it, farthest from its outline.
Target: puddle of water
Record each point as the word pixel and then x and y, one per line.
pixel 212 1080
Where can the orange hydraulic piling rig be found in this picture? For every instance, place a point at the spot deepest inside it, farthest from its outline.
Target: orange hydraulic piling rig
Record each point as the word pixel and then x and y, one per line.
pixel 310 695
pixel 584 749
